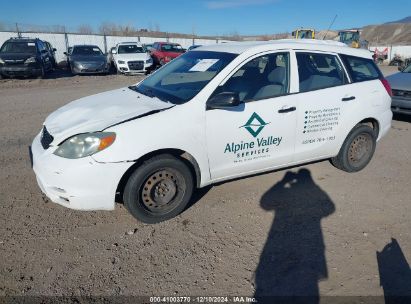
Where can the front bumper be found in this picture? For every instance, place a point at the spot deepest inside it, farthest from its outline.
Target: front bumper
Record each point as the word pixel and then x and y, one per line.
pixel 20 70
pixel 81 184
pixel 124 68
pixel 401 105
pixel 90 69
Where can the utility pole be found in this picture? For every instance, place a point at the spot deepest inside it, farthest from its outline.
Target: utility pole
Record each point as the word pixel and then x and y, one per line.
pixel 18 31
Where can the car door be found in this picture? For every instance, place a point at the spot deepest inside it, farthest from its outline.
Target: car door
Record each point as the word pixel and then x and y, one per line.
pixel 324 104
pixel 45 55
pixel 259 133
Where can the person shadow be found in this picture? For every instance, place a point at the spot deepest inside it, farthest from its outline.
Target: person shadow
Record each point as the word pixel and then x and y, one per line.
pixel 293 260
pixel 395 274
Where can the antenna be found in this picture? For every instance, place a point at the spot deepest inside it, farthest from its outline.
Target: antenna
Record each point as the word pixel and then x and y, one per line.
pixel 335 17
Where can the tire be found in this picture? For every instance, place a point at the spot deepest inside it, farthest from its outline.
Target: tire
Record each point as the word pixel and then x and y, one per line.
pixel 357 149
pixel 159 189
pixel 42 73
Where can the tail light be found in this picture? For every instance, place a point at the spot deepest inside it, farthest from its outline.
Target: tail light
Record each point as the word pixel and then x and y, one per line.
pixel 387 86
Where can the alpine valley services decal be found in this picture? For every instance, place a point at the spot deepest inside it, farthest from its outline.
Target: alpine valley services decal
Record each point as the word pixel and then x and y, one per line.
pixel 258 146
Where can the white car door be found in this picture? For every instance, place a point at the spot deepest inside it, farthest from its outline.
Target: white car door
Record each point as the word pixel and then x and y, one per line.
pixel 259 133
pixel 324 105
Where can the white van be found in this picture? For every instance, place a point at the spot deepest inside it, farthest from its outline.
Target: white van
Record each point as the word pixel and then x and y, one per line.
pixel 215 113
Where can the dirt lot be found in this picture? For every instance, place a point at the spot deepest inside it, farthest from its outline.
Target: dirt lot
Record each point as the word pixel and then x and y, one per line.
pixel 320 235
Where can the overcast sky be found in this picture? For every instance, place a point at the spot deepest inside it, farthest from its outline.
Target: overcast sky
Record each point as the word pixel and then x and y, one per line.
pixel 246 17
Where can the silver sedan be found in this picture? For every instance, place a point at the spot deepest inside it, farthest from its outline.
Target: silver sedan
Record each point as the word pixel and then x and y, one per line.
pixel 87 59
pixel 401 90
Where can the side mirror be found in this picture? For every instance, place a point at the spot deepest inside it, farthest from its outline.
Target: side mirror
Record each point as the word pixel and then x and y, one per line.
pixel 224 100
pixel 65 53
pixel 54 50
pixel 113 51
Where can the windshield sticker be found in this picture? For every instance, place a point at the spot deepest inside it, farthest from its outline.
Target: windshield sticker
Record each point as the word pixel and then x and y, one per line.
pixel 31 44
pixel 95 49
pixel 203 65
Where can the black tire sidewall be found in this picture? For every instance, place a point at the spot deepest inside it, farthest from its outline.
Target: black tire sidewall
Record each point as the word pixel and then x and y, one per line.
pixel 132 191
pixel 343 156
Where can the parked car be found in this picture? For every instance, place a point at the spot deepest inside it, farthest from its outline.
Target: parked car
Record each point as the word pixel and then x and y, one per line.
pixel 52 52
pixel 25 57
pixel 164 52
pixel 131 58
pixel 86 59
pixel 148 46
pixel 213 114
pixel 401 91
pixel 192 47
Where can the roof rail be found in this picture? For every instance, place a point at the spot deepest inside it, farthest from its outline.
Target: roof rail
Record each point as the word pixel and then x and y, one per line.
pixel 313 41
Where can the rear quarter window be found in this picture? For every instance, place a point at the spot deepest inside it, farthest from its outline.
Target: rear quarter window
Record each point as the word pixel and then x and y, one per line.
pixel 361 69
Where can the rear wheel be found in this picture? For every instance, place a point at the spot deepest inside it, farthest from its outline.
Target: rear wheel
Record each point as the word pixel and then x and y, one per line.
pixel 357 149
pixel 159 189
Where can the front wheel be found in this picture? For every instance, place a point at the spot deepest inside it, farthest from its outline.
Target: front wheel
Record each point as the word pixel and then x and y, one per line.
pixel 159 189
pixel 357 149
pixel 42 73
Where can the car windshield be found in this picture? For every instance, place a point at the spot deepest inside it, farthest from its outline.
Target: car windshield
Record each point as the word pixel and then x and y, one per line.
pixel 18 47
pixel 172 48
pixel 130 49
pixel 87 50
pixel 407 69
pixel 184 77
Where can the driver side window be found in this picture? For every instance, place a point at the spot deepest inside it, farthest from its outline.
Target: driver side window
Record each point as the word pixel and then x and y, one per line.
pixel 263 77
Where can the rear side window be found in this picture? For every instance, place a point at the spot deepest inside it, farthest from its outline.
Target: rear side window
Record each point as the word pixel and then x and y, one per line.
pixel 319 71
pixel 361 69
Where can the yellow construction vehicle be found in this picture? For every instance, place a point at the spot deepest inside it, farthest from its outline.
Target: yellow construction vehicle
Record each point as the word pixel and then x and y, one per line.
pixel 304 34
pixel 352 38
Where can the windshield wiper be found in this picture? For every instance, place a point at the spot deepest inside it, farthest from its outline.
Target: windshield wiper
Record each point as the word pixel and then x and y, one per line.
pixel 148 92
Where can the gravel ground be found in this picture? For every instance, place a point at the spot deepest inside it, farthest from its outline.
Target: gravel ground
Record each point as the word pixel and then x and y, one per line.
pixel 322 235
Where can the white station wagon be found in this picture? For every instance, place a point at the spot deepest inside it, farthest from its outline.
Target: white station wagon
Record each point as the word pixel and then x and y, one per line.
pixel 215 113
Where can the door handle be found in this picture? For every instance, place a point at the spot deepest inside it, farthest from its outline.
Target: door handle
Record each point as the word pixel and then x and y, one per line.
pixel 348 98
pixel 287 110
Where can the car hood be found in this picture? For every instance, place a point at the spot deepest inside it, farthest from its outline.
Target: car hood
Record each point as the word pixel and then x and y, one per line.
pixel 400 81
pixel 13 57
pixel 98 112
pixel 88 58
pixel 134 56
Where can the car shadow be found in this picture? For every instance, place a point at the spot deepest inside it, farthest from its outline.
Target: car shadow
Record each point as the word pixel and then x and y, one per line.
pixel 395 274
pixel 402 117
pixel 293 260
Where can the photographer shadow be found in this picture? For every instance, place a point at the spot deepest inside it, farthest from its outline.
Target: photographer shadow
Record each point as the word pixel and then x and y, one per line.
pixel 293 259
pixel 395 274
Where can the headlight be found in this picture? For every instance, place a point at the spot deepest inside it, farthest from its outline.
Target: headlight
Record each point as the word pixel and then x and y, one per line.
pixel 2 61
pixel 83 145
pixel 148 61
pixel 121 62
pixel 30 60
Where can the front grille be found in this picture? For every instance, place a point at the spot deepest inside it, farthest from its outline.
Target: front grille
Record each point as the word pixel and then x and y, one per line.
pixel 46 138
pixel 402 93
pixel 136 65
pixel 14 61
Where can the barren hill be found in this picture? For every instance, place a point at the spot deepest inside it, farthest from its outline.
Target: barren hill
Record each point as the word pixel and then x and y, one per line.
pixel 389 33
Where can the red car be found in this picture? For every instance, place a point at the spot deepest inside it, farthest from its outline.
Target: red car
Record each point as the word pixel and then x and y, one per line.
pixel 163 52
